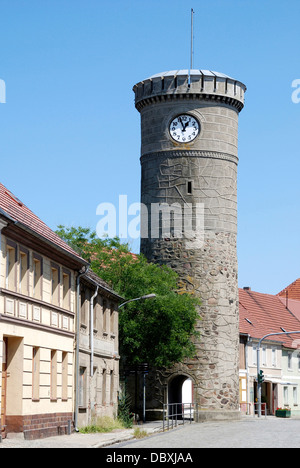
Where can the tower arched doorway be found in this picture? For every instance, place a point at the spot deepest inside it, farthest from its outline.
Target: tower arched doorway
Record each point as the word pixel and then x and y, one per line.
pixel 180 394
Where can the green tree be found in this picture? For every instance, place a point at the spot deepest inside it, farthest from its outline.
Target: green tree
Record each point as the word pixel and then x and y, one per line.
pixel 158 331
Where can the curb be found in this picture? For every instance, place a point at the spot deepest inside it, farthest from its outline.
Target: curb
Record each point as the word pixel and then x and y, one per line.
pixel 108 443
pixel 119 440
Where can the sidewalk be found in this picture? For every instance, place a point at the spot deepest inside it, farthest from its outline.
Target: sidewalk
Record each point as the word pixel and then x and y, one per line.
pixel 78 440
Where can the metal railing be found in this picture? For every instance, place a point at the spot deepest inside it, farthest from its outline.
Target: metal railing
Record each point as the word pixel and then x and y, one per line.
pixel 175 414
pixel 257 409
pixel 246 408
pixel 252 409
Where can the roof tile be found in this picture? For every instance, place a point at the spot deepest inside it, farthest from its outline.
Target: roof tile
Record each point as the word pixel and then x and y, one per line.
pixel 267 314
pixel 14 208
pixel 293 290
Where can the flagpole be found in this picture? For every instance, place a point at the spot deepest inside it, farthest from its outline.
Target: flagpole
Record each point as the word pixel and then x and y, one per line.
pixel 192 44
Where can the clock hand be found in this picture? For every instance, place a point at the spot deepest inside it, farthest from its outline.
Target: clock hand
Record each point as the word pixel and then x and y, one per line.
pixel 183 128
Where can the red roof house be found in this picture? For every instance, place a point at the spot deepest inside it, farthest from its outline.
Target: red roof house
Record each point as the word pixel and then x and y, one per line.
pixel 290 297
pixel 292 291
pixel 261 314
pixel 293 305
pixel 23 219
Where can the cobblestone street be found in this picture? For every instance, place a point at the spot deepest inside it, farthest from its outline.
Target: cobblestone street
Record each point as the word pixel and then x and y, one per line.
pixel 247 433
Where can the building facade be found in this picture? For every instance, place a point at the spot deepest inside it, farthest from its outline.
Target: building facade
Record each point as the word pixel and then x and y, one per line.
pixel 98 351
pixel 271 364
pixel 261 314
pixel 46 294
pixel 291 380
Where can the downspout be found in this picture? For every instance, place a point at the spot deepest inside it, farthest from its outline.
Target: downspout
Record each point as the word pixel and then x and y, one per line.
pixel 247 372
pixel 3 224
pixel 92 351
pixel 77 349
pixel 92 331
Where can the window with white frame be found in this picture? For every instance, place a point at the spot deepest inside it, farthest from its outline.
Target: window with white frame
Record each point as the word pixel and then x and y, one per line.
pixel 264 356
pixel 36 374
pixel 104 387
pixel 285 395
pixel 273 357
pixel 55 282
pixel 112 379
pixel 290 361
pixel 37 267
pixel 112 319
pixel 66 288
pixel 53 376
pixel 11 265
pixel 105 321
pixel 82 386
pixel 254 355
pixel 65 372
pixel 84 305
pixel 295 396
pixel 24 270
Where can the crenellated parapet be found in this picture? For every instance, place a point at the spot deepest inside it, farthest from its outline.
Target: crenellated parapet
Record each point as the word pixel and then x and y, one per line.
pixel 196 84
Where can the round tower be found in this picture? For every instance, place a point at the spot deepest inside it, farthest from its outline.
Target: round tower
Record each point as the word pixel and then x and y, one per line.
pixel 189 158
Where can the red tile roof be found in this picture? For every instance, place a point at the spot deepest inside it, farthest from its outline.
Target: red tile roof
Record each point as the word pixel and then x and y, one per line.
pixel 293 290
pixel 293 305
pixel 261 314
pixel 10 205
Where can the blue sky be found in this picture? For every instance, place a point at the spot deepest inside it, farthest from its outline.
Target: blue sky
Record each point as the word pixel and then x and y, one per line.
pixel 70 135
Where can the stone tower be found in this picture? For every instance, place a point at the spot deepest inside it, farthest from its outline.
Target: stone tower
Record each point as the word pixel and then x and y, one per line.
pixel 189 158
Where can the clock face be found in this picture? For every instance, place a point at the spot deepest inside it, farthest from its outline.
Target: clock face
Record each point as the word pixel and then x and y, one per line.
pixel 184 128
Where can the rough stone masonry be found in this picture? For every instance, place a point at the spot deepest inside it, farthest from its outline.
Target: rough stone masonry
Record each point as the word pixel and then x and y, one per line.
pixel 203 171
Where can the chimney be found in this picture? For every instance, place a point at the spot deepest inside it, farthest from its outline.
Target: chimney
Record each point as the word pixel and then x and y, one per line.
pixel 246 288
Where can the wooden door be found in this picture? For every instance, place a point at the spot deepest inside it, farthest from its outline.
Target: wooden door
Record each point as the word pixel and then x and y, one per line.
pixel 3 389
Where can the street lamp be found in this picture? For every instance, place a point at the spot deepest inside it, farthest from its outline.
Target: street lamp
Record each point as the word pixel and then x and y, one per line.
pixel 147 296
pixel 260 380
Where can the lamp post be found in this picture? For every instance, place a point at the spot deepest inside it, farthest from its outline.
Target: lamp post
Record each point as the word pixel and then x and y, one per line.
pixel 147 296
pixel 259 382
